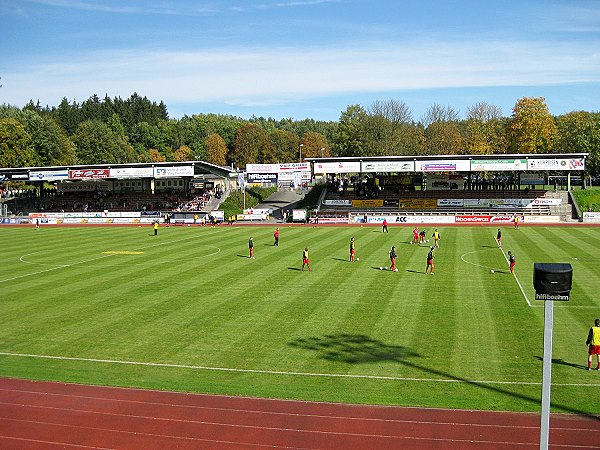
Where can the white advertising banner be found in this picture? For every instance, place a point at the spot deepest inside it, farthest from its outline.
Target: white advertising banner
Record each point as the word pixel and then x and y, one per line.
pixel 544 202
pixel 49 175
pixel 556 164
pixel 218 214
pixel 173 172
pixel 298 215
pixel 400 219
pixel 451 202
pixel 278 168
pixel 485 202
pixel 337 167
pixel 388 166
pixel 293 167
pixel 294 176
pixel 498 165
pixel 337 202
pixel 132 172
pixel 262 168
pixel 591 217
pixel 442 165
pixel 543 219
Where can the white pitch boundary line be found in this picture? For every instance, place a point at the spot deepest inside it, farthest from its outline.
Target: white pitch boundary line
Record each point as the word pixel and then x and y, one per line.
pixel 279 372
pixel 518 282
pixel 63 266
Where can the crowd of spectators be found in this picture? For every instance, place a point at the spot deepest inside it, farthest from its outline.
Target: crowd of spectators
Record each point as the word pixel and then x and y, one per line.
pixel 87 201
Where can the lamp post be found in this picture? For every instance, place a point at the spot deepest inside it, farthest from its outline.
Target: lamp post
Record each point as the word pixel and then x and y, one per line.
pixel 300 149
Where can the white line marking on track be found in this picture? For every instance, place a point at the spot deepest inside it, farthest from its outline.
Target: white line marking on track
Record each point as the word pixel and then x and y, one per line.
pixel 138 433
pixel 251 411
pixel 246 411
pixel 289 373
pixel 37 441
pixel 288 430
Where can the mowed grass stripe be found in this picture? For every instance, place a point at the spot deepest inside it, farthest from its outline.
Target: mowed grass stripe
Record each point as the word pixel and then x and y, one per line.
pixel 172 304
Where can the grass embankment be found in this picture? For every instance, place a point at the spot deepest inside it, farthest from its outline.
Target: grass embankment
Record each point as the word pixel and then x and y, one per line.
pixel 588 199
pixel 234 204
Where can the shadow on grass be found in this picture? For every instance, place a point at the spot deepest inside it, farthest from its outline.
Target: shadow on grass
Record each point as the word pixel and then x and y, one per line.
pixel 353 348
pixel 294 268
pixel 360 349
pixel 244 256
pixel 413 271
pixel 562 362
pixel 340 259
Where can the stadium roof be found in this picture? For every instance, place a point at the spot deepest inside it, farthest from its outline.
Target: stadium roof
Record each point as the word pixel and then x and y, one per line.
pixel 449 157
pixel 199 168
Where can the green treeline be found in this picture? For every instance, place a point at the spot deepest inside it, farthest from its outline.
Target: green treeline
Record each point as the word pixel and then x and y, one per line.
pixel 140 130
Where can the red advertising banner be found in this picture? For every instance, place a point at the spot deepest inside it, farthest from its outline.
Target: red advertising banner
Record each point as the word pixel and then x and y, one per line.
pixel 81 174
pixel 473 219
pixel 507 219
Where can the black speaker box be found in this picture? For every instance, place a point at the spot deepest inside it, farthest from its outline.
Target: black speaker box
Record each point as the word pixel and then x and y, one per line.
pixel 552 278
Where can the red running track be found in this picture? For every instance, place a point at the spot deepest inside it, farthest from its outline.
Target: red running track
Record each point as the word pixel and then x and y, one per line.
pixel 45 415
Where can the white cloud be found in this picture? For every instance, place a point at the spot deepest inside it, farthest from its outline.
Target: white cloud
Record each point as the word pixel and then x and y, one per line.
pixel 274 76
pixel 118 7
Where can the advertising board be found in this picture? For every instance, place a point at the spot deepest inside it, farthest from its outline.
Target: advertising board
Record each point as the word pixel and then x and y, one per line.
pixel 173 171
pixel 262 168
pixel 48 175
pixel 293 167
pixel 337 202
pixel 498 165
pixel 387 166
pixel 442 165
pixel 262 177
pixel 374 203
pixel 556 164
pixel 444 202
pixel 83 174
pixel 132 172
pixel 337 167
pixel 418 203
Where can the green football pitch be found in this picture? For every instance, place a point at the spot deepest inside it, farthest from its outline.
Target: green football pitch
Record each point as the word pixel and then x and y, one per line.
pixel 188 310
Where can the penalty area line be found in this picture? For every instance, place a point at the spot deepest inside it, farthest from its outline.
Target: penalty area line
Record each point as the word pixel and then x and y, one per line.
pixel 289 373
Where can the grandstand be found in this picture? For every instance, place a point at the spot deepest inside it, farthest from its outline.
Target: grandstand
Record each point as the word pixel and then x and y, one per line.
pixel 458 185
pixel 145 187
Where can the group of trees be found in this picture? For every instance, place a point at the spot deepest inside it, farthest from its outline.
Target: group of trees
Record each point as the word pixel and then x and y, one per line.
pixel 139 130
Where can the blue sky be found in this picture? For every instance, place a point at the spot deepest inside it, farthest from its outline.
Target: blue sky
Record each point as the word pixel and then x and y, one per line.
pixel 302 58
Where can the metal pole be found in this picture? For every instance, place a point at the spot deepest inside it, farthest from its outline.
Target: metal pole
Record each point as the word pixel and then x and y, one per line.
pixel 547 374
